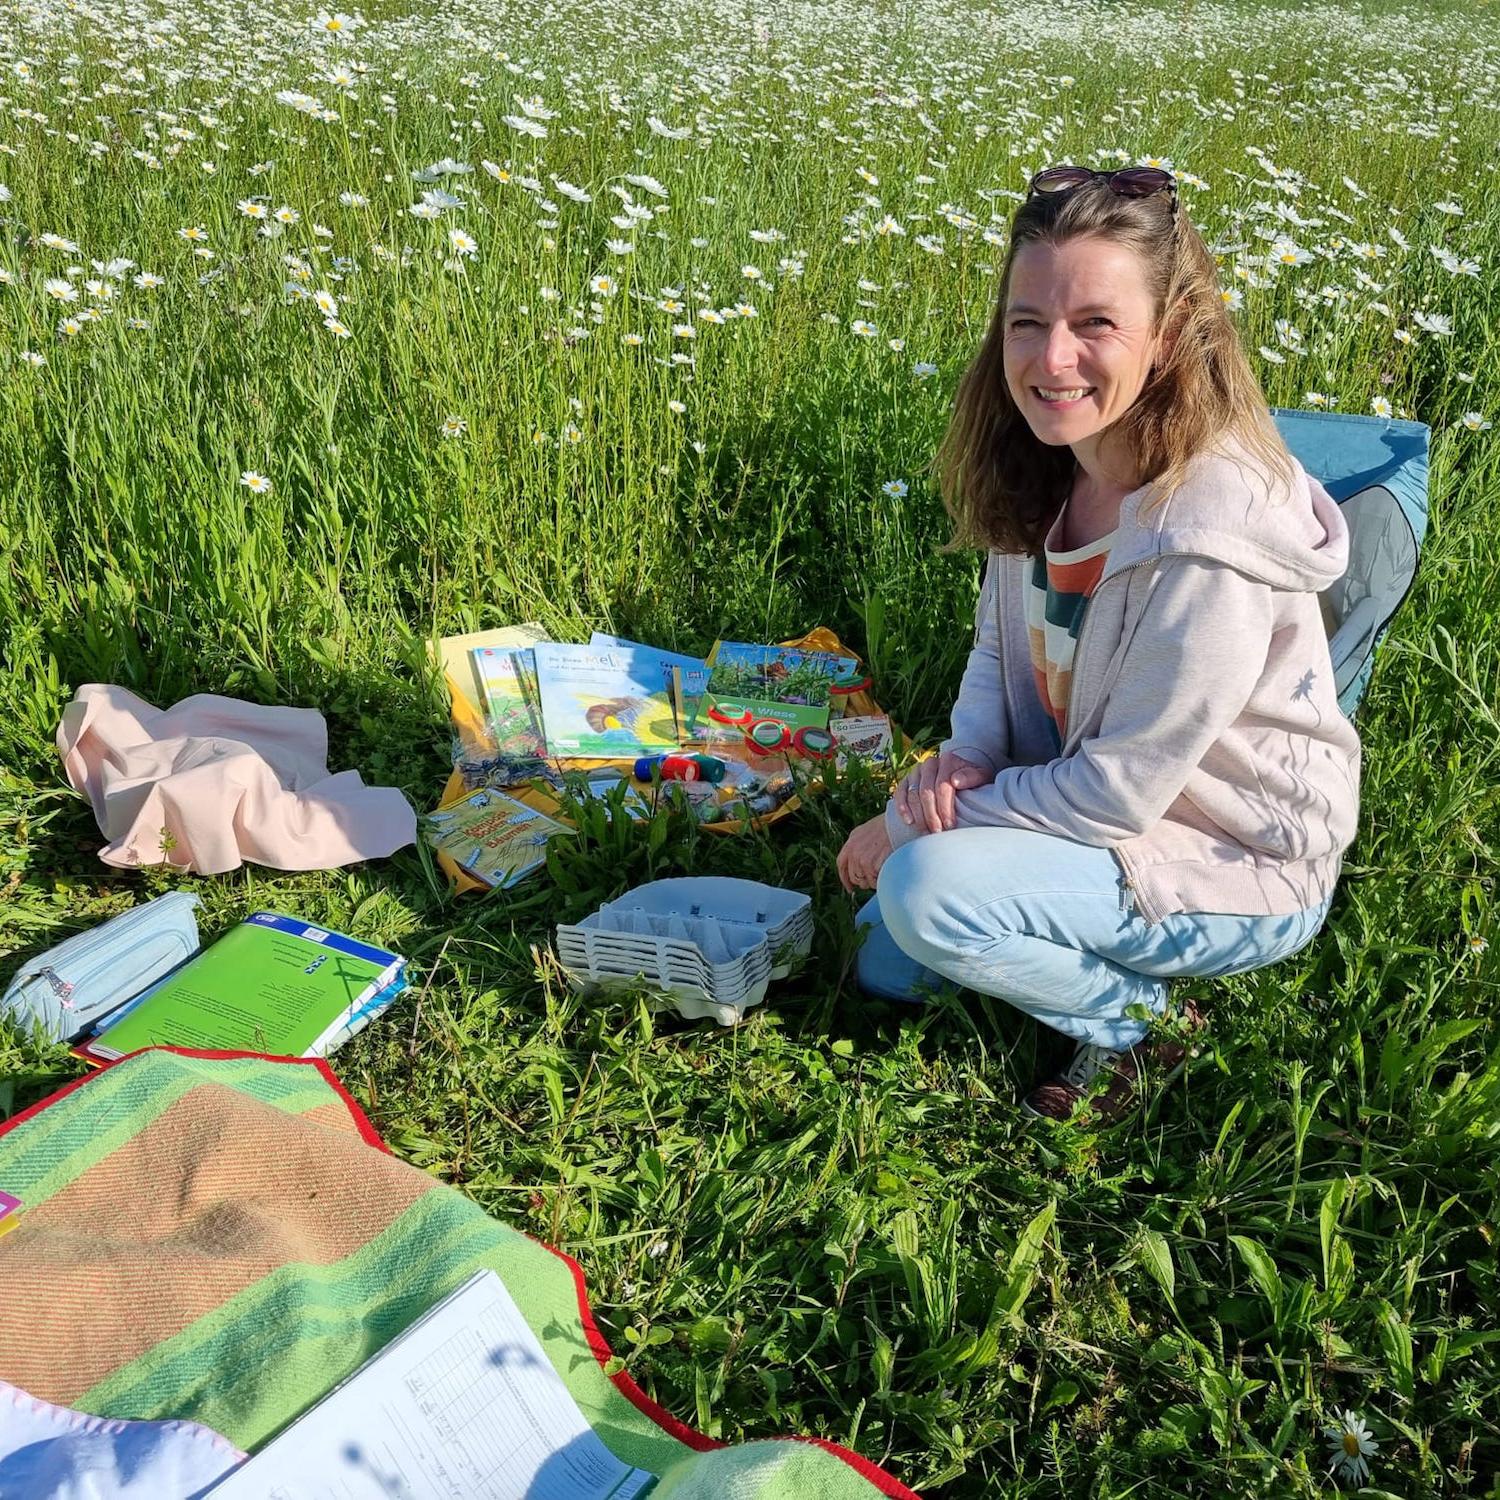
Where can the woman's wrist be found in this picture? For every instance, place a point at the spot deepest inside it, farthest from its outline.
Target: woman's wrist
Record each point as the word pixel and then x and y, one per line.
pixel 901 832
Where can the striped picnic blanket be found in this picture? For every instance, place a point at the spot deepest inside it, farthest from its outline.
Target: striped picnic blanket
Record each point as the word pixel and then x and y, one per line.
pixel 223 1238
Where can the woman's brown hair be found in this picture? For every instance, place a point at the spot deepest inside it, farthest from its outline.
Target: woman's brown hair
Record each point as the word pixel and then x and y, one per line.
pixel 1002 486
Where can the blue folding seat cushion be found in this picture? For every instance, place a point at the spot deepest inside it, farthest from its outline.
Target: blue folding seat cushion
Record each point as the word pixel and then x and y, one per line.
pixel 1376 468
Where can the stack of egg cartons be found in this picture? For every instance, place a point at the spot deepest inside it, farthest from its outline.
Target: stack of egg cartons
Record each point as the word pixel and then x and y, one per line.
pixel 710 942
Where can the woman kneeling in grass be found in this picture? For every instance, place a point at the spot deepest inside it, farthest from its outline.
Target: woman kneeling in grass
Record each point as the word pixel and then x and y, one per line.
pixel 1148 776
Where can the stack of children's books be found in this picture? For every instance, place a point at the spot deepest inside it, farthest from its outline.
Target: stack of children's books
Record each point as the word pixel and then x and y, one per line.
pixel 595 716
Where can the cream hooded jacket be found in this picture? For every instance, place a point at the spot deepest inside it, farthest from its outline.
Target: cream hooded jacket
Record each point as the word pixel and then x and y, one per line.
pixel 1205 747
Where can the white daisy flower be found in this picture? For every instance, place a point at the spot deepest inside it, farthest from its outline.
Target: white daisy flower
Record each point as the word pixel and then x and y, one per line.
pixel 524 126
pixel 1351 1445
pixel 894 489
pixel 257 484
pixel 1437 324
pixel 1475 421
pixel 1380 406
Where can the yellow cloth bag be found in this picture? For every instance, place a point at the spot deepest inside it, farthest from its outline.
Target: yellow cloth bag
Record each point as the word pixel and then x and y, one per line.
pixel 452 655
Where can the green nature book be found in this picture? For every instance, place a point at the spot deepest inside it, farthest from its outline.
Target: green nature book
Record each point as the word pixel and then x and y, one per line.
pixel 749 684
pixel 454 655
pixel 273 985
pixel 492 837
pixel 507 679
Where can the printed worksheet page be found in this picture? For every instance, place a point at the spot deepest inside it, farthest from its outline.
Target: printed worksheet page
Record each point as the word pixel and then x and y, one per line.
pixel 462 1406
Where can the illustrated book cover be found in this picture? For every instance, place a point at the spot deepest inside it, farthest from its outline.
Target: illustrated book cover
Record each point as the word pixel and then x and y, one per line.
pixel 602 703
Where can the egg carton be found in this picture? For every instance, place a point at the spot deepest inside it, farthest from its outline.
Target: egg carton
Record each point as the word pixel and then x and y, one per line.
pixel 785 917
pixel 712 943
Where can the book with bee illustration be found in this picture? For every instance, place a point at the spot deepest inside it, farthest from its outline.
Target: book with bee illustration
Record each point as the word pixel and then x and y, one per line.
pixel 602 702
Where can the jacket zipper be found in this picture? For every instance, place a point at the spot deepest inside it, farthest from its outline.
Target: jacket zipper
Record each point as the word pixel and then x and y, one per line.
pixel 1130 893
pixel 1088 620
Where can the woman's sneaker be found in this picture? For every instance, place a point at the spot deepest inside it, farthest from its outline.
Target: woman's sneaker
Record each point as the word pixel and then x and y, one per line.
pixel 1059 1097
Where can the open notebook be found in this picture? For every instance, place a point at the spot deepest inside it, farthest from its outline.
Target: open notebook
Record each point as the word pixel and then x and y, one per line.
pixel 464 1405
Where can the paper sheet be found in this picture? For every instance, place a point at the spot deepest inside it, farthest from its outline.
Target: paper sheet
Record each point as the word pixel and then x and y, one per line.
pixel 464 1405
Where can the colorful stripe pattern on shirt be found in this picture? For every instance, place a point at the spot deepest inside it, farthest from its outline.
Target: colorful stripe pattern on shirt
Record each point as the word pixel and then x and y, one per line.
pixel 1056 599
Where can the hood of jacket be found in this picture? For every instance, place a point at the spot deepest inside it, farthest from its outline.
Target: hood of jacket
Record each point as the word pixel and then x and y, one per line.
pixel 1230 509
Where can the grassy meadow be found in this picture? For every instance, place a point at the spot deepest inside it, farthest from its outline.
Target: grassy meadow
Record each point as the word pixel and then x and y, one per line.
pixel 321 335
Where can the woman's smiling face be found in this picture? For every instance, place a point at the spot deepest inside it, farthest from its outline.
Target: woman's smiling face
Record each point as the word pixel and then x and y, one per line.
pixel 1078 318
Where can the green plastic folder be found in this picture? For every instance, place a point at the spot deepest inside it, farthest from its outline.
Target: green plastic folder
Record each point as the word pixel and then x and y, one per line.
pixel 274 984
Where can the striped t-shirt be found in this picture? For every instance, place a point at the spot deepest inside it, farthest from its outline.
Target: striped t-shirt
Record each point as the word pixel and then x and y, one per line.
pixel 1058 595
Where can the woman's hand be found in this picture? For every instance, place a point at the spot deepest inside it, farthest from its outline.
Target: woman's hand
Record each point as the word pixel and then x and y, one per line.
pixel 864 851
pixel 925 798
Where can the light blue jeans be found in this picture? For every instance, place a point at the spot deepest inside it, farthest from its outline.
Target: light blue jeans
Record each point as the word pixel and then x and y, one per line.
pixel 1046 924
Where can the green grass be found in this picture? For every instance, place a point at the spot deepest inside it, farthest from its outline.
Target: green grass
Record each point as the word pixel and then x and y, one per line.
pixel 832 1219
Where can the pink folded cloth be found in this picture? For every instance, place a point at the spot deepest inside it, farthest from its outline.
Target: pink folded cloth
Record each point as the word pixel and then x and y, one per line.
pixel 212 782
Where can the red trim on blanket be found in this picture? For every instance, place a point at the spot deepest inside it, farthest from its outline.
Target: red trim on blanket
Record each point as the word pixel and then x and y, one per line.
pixel 700 1442
pixel 41 1104
pixel 887 1484
pixel 367 1131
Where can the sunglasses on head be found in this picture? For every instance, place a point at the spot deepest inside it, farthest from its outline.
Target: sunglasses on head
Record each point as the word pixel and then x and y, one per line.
pixel 1129 182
